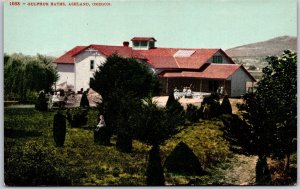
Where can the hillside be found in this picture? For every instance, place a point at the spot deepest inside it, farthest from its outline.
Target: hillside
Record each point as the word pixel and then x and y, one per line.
pixel 273 46
pixel 253 55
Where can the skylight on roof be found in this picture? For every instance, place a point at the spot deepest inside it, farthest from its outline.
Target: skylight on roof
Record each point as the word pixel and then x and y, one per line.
pixel 184 53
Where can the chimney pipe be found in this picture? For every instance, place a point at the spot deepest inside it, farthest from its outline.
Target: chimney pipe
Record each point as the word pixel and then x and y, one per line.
pixel 125 43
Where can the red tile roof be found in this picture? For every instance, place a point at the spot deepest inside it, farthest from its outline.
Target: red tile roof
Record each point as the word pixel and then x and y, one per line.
pixel 164 58
pixel 212 71
pixel 127 52
pixel 143 39
pixel 68 58
pixel 159 58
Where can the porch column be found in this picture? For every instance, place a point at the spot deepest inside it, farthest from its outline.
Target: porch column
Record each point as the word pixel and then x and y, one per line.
pixel 167 86
pixel 200 85
pixel 225 89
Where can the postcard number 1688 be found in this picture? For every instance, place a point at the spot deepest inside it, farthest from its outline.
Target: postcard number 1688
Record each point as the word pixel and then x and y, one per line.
pixel 14 3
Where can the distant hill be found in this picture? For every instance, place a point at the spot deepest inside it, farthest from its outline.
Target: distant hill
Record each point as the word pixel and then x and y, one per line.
pixel 274 46
pixel 252 56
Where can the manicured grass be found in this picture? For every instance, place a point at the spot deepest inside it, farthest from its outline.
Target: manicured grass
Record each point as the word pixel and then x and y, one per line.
pixel 31 157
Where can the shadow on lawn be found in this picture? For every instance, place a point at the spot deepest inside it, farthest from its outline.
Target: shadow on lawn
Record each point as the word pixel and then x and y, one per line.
pixel 20 133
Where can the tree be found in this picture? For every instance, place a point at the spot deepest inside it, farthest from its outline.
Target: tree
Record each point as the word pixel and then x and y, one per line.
pixel 24 75
pixel 154 125
pixel 122 83
pixel 272 109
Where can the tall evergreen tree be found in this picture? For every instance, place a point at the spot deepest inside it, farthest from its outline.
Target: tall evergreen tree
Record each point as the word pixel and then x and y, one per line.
pixel 122 83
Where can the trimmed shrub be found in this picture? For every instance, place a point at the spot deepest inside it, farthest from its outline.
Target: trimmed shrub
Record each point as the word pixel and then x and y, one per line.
pixel 59 129
pixel 192 113
pixel 211 106
pixel 102 135
pixel 155 172
pixel 226 106
pixel 41 102
pixel 174 107
pixel 182 160
pixel 263 175
pixel 124 142
pixel 79 118
pixel 84 102
pixel 171 100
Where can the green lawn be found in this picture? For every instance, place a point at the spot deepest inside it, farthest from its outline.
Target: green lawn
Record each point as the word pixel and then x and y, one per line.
pixel 31 157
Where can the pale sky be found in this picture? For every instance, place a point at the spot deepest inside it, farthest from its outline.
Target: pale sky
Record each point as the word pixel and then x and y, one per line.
pixel 177 23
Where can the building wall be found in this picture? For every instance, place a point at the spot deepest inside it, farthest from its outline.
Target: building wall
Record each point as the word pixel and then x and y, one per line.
pixel 66 74
pixel 82 68
pixel 238 82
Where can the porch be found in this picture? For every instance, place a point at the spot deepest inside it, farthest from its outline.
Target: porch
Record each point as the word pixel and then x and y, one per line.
pixel 195 84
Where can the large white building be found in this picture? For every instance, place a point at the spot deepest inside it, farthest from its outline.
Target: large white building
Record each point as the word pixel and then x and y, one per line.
pixel 203 69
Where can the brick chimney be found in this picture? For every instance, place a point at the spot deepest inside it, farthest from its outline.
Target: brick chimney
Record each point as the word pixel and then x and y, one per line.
pixel 125 43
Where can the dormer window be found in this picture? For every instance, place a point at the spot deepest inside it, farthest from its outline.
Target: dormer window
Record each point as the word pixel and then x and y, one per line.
pixel 217 59
pixel 143 43
pixel 151 44
pixel 136 43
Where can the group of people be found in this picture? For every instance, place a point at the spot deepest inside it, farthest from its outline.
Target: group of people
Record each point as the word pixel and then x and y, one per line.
pixel 187 92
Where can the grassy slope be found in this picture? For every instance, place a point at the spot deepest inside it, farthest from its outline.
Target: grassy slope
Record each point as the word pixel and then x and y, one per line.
pixel 29 149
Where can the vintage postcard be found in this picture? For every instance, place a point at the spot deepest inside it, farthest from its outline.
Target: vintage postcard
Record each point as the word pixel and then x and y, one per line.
pixel 150 93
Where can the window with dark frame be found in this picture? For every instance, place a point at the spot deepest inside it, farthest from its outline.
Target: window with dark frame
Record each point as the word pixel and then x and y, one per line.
pixel 144 43
pixel 136 43
pixel 92 64
pixel 217 59
pixel 151 44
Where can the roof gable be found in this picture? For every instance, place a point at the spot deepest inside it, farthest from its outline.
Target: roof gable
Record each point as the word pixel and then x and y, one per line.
pixel 126 52
pixel 68 58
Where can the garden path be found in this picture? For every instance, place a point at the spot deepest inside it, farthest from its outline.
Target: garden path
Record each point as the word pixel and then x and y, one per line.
pixel 243 170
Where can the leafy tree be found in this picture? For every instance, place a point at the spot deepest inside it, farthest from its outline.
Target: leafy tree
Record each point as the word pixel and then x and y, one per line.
pixel 122 83
pixel 154 125
pixel 272 109
pixel 24 75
